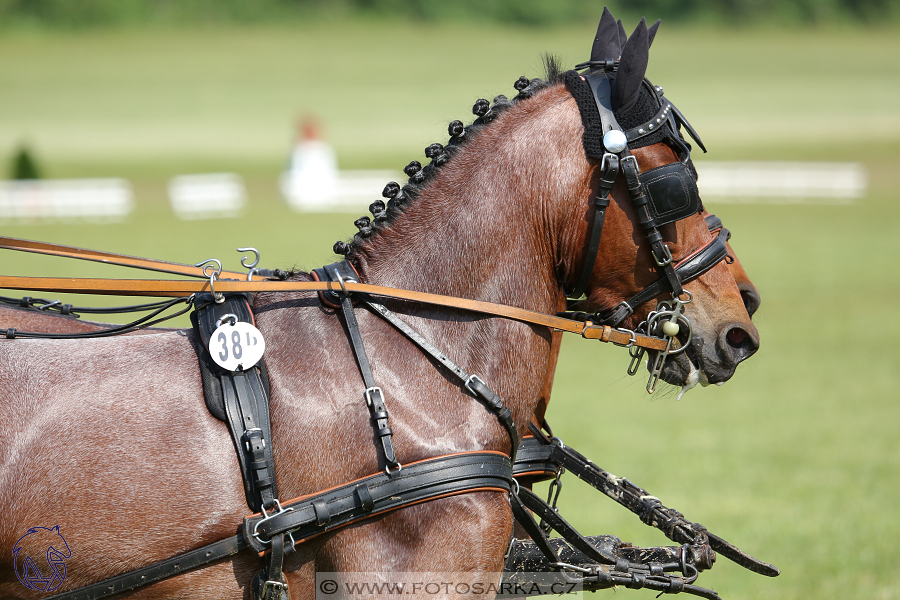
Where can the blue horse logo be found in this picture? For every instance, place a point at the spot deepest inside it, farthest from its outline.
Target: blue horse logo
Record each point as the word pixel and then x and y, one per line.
pixel 41 541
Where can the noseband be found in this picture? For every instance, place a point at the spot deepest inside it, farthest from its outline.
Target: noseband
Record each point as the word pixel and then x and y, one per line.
pixel 661 195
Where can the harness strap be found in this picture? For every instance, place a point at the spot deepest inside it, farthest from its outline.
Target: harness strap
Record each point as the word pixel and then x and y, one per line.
pixel 472 383
pixel 610 170
pixel 325 511
pixel 8 243
pixel 166 287
pixel 374 395
pixel 661 254
pixel 550 516
pixel 649 508
pixel 270 583
pixel 417 482
pixel 246 405
pixel 158 571
pixel 690 268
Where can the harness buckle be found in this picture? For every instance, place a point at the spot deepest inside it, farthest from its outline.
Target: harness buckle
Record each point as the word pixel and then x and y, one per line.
pixel 631 158
pixel 631 342
pixel 344 282
pixel 470 380
pixel 267 517
pixel 667 256
pixel 277 587
pixel 368 394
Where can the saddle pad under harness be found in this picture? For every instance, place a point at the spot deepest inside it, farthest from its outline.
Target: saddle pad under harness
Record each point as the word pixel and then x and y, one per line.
pixel 239 398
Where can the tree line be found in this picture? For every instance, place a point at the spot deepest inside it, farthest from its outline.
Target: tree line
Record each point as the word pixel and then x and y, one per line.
pixel 98 13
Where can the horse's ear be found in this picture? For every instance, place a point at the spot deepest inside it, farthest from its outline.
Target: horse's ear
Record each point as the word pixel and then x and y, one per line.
pixel 606 42
pixel 632 67
pixel 651 32
pixel 623 37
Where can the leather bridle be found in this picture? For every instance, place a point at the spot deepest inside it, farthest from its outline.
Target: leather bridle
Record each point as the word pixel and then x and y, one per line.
pixel 662 195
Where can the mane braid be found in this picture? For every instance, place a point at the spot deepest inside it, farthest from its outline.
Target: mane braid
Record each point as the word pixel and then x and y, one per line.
pixel 398 198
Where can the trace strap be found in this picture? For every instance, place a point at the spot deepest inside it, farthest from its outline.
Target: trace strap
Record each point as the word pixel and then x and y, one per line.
pixel 417 482
pixel 308 516
pixel 649 508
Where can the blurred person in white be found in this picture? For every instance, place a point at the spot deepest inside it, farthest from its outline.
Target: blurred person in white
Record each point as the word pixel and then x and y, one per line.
pixel 310 181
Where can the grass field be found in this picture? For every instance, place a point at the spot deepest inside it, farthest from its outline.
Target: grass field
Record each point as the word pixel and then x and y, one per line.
pixel 797 460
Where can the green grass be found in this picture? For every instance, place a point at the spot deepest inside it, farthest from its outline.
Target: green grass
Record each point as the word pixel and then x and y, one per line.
pixel 797 460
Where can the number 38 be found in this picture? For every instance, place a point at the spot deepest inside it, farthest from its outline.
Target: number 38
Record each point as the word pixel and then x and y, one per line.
pixel 236 350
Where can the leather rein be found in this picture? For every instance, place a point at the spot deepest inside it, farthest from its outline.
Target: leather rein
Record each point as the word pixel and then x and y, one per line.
pixel 181 289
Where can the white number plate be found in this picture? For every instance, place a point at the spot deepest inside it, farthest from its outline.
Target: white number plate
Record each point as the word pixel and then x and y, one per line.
pixel 236 347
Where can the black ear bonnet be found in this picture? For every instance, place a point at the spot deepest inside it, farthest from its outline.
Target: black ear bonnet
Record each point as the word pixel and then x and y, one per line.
pixel 642 110
pixel 645 116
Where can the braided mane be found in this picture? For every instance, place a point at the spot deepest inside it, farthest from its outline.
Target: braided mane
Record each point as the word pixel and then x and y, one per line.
pixel 399 198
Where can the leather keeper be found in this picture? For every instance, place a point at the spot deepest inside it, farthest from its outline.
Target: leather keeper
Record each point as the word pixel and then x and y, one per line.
pixel 326 273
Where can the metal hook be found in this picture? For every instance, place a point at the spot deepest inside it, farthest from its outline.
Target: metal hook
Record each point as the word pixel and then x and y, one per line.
pixel 251 266
pixel 213 275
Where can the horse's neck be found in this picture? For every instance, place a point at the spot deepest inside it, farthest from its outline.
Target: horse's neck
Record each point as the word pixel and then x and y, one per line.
pixel 483 227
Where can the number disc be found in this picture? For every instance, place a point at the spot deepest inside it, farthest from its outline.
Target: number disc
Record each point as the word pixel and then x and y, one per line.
pixel 236 347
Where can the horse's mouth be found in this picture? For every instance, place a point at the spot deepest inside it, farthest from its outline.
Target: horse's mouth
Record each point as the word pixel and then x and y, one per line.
pixel 685 370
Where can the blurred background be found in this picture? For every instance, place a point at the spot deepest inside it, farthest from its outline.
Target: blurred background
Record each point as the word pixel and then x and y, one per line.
pixel 156 106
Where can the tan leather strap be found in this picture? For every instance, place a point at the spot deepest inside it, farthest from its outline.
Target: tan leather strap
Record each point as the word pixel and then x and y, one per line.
pixel 161 287
pixel 8 243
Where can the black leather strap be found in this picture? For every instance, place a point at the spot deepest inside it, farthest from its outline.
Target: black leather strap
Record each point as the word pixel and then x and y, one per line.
pixel 641 203
pixel 688 270
pixel 550 516
pixel 648 508
pixel 472 383
pixel 246 403
pixel 602 90
pixel 373 394
pixel 610 170
pixel 270 583
pixel 534 458
pixel 158 571
pixel 414 483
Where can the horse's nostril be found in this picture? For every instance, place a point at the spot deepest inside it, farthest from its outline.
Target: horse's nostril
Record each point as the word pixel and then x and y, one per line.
pixel 736 336
pixel 738 343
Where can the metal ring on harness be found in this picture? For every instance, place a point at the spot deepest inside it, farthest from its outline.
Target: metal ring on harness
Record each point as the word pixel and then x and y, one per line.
pixel 229 317
pixel 213 275
pixel 266 517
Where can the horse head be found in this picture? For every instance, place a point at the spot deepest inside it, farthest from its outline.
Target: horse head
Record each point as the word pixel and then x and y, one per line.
pixel 715 332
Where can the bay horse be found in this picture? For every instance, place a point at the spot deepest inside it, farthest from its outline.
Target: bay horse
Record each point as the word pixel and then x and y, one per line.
pixel 111 440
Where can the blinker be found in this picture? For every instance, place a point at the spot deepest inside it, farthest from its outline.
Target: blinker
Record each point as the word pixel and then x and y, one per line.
pixel 672 192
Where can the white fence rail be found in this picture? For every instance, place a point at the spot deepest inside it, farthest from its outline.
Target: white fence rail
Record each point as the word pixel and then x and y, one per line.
pixel 66 199
pixel 207 196
pixel 781 182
